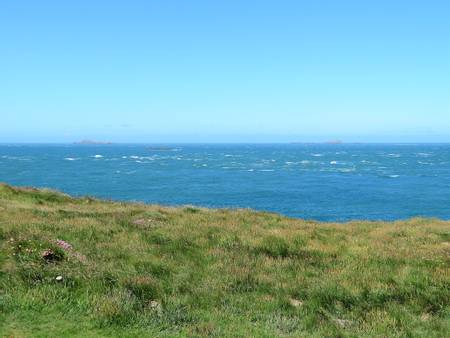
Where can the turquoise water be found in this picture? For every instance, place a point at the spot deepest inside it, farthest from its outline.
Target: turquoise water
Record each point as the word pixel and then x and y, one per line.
pixel 313 181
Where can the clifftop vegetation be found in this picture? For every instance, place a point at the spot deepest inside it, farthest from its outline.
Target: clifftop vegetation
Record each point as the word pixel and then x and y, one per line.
pixel 86 267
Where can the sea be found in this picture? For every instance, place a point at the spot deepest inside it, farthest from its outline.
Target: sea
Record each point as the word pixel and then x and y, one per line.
pixel 324 182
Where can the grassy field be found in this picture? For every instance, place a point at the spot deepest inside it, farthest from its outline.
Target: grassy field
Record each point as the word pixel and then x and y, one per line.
pixel 85 267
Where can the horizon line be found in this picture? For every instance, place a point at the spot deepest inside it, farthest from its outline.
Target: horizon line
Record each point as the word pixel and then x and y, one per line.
pixel 230 142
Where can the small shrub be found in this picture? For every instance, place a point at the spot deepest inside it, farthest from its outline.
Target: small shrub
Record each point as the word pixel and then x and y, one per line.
pixel 230 242
pixel 191 210
pixel 174 317
pixel 154 269
pixel 158 238
pixel 274 247
pixel 116 308
pixel 144 288
pixel 246 283
pixel 108 280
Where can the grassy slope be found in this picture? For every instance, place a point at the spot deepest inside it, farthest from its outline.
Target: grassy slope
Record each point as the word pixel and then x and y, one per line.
pixel 214 272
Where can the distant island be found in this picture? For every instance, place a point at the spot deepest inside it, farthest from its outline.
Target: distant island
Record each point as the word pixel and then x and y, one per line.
pixel 92 142
pixel 334 142
pixel 161 148
pixel 326 142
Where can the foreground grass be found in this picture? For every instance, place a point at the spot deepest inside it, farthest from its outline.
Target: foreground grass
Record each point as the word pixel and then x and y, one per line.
pixel 139 270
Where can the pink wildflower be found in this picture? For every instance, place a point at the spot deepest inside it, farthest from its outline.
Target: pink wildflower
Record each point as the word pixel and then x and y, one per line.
pixel 63 244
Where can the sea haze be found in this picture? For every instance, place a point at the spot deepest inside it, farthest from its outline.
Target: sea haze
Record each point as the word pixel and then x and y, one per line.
pixel 328 182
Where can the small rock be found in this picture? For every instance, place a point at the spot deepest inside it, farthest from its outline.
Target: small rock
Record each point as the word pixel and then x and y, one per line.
pixel 295 302
pixel 155 306
pixel 80 257
pixel 425 316
pixel 59 278
pixel 140 221
pixel 343 322
pixel 143 223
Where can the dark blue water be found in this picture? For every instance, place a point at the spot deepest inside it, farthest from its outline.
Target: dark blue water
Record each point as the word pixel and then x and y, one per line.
pixel 313 181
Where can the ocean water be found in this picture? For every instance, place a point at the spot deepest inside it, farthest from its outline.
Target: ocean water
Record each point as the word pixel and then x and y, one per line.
pixel 327 182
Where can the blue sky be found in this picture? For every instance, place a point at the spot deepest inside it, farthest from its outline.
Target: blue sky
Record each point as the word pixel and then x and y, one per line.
pixel 225 71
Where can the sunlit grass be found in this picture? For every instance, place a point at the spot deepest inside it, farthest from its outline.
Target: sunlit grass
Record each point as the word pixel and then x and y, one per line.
pixel 139 270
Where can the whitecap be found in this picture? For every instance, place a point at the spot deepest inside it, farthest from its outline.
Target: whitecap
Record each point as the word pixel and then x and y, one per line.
pixel 124 157
pixel 333 162
pixel 98 156
pixel 394 176
pixel 17 158
pixel 305 162
pixel 316 155
pixel 134 157
pixel 71 159
pixel 251 170
pixel 346 170
pixel 266 170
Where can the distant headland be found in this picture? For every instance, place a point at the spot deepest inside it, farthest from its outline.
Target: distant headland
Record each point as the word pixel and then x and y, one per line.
pixel 91 142
pixel 326 142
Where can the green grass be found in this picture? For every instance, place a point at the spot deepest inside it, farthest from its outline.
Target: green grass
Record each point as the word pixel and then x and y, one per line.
pixel 142 270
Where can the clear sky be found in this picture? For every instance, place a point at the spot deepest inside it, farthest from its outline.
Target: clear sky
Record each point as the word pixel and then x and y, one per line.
pixel 225 71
